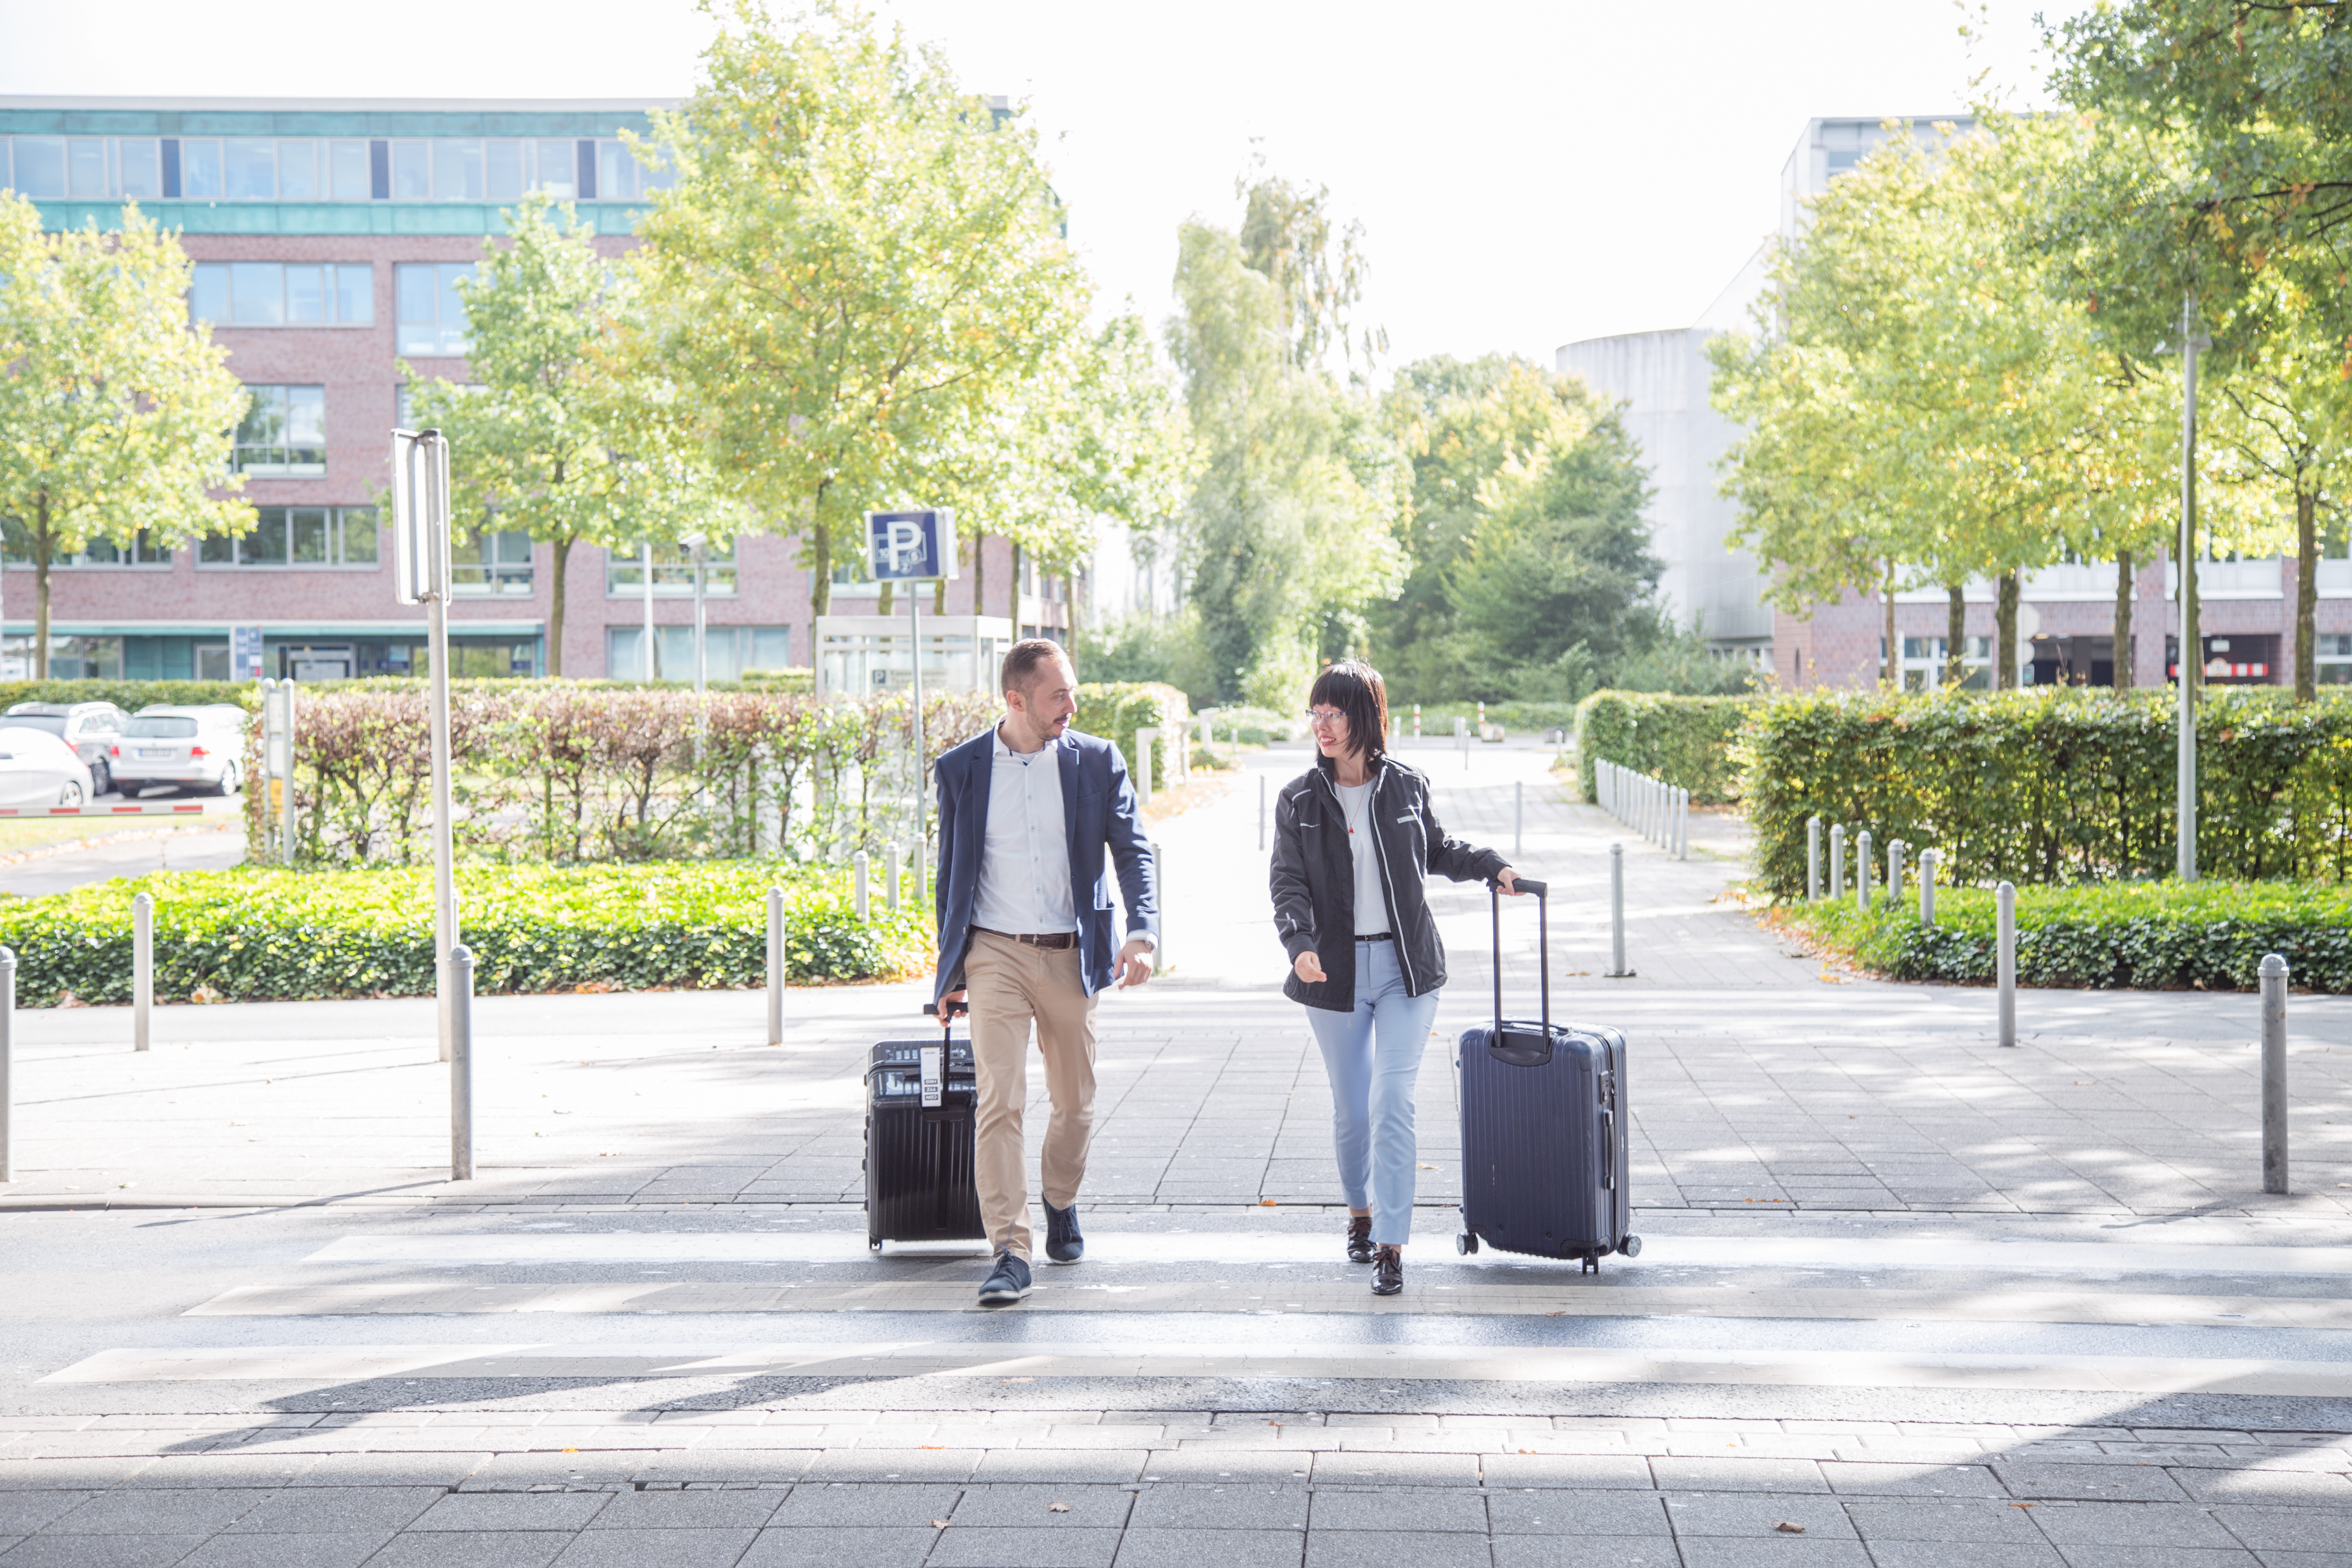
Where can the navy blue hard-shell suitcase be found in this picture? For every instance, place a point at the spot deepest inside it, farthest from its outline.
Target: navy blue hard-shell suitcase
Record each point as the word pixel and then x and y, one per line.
pixel 921 1101
pixel 1544 1167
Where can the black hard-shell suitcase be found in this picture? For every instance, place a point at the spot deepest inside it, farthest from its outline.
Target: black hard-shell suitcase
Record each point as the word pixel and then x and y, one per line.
pixel 1543 1168
pixel 920 1102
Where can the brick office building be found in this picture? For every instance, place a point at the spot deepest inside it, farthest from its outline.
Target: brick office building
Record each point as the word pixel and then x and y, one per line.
pixel 328 238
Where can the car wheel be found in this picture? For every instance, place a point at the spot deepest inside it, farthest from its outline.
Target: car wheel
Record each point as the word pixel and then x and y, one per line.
pixel 228 780
pixel 70 795
pixel 101 779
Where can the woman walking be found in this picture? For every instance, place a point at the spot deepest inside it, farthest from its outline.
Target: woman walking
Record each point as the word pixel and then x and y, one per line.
pixel 1354 838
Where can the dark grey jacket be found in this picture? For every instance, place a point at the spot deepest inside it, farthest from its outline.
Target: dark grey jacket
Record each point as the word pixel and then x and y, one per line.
pixel 1314 879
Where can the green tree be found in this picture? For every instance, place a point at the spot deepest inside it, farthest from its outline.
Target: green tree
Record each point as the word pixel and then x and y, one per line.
pixel 1289 531
pixel 858 266
pixel 115 412
pixel 553 436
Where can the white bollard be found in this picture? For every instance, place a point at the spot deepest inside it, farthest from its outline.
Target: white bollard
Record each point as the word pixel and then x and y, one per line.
pixel 1862 870
pixel 1159 887
pixel 922 886
pixel 1837 861
pixel 2005 961
pixel 857 871
pixel 1261 814
pixel 7 1062
pixel 1681 823
pixel 1146 738
pixel 890 876
pixel 461 1063
pixel 1813 859
pixel 1894 847
pixel 776 967
pixel 142 969
pixel 1617 969
pixel 1929 860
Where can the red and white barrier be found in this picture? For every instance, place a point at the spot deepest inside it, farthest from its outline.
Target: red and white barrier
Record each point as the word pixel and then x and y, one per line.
pixel 128 809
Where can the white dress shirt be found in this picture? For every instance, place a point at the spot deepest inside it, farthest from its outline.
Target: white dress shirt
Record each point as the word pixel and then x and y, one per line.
pixel 1025 865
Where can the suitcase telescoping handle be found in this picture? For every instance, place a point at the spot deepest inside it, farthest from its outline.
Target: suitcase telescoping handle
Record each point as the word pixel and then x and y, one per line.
pixel 1540 893
pixel 947 1016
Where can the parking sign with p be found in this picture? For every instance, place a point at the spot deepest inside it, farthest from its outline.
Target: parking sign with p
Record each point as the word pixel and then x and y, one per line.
pixel 901 546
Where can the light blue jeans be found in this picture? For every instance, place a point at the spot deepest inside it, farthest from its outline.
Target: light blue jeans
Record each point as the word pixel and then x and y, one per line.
pixel 1372 1056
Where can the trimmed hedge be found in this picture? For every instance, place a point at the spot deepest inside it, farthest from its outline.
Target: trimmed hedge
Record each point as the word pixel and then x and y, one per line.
pixel 1116 712
pixel 1687 741
pixel 132 695
pixel 2055 786
pixel 2137 936
pixel 279 935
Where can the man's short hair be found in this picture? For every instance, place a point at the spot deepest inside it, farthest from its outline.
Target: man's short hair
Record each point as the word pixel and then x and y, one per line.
pixel 1026 658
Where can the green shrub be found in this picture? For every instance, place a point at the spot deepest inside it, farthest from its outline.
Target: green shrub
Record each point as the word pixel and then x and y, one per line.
pixel 2055 786
pixel 1116 711
pixel 271 935
pixel 1686 740
pixel 131 695
pixel 2137 935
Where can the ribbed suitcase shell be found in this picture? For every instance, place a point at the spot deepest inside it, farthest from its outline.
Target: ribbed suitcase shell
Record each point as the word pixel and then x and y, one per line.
pixel 1544 1167
pixel 919 1170
pixel 1544 1163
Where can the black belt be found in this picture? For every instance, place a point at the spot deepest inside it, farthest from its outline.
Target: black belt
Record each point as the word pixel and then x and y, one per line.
pixel 1052 941
pixel 1376 936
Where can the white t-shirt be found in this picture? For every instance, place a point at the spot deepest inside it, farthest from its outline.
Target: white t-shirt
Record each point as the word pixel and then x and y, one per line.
pixel 1371 906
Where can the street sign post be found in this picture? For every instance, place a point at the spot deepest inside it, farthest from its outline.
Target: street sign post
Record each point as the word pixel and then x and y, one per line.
pixel 244 653
pixel 913 547
pixel 420 529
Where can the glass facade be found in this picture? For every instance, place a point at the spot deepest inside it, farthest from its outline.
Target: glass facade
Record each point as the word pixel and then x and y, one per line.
pixel 432 312
pixel 624 571
pixel 493 561
pixel 283 434
pixel 727 651
pixel 289 536
pixel 325 169
pixel 282 294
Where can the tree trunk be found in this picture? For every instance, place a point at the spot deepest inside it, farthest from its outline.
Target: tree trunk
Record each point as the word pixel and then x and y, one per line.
pixel 1956 635
pixel 939 596
pixel 886 600
pixel 2306 593
pixel 41 551
pixel 2126 592
pixel 1015 595
pixel 1891 651
pixel 1070 604
pixel 560 549
pixel 980 573
pixel 820 557
pixel 2004 632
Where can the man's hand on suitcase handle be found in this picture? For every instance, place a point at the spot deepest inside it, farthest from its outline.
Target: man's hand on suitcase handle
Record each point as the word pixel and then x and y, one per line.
pixel 1510 882
pixel 949 1008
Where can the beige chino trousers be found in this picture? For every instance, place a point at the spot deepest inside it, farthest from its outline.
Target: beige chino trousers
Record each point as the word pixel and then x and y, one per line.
pixel 1011 983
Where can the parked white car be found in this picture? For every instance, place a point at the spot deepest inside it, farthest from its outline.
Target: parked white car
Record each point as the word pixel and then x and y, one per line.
pixel 90 728
pixel 37 768
pixel 199 749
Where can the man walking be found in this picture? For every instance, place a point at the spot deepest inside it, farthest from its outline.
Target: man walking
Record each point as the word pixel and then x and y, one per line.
pixel 1027 812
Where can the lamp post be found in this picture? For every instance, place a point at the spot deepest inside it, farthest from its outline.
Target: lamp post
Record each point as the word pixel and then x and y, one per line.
pixel 2193 646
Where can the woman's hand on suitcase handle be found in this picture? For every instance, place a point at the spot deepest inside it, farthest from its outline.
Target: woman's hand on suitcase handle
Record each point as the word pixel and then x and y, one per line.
pixel 1308 967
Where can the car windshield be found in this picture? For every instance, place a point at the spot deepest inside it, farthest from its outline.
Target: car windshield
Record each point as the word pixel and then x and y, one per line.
pixel 54 724
pixel 161 727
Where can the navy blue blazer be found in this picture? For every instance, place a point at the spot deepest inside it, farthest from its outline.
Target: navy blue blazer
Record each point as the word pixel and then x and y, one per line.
pixel 1097 804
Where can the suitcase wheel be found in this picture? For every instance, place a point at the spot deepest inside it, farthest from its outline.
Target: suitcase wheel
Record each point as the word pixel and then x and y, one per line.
pixel 1465 1243
pixel 873 1244
pixel 1591 1263
pixel 1631 1246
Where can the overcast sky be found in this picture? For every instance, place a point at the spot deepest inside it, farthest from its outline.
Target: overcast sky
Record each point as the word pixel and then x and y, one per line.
pixel 1526 174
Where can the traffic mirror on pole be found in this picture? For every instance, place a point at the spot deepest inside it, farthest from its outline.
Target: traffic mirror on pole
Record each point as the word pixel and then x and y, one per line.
pixel 420 516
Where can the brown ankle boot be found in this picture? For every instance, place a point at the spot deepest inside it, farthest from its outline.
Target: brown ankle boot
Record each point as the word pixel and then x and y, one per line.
pixel 1359 1238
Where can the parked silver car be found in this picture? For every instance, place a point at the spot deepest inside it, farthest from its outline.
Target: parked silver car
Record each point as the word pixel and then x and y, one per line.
pixel 90 728
pixel 38 769
pixel 200 749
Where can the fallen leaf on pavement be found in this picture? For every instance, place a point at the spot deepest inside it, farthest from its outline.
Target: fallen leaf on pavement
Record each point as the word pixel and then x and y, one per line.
pixel 1790 1527
pixel 1058 1508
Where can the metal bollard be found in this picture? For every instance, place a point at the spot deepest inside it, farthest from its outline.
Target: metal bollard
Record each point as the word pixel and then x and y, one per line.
pixel 1159 887
pixel 775 966
pixel 2006 961
pixel 923 893
pixel 7 1060
pixel 1929 860
pixel 857 871
pixel 1617 970
pixel 1862 870
pixel 1681 823
pixel 1837 861
pixel 890 876
pixel 1518 817
pixel 1261 813
pixel 1894 847
pixel 143 968
pixel 461 1063
pixel 2274 979
pixel 1813 859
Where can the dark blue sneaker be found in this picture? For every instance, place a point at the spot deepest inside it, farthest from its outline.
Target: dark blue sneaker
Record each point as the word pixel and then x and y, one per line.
pixel 1006 1283
pixel 1063 1242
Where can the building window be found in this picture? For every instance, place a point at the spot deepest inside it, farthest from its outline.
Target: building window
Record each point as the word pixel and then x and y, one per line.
pixel 432 314
pixel 728 652
pixel 2332 659
pixel 304 536
pixel 283 434
pixel 281 294
pixel 496 561
pixel 621 178
pixel 1923 663
pixel 625 574
pixel 17 549
pixel 81 168
pixel 308 169
pixel 70 659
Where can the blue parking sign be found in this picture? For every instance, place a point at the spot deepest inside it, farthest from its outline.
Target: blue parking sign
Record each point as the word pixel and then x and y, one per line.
pixel 903 545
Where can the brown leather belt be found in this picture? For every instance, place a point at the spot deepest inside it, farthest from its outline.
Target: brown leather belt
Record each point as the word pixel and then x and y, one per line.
pixel 1052 941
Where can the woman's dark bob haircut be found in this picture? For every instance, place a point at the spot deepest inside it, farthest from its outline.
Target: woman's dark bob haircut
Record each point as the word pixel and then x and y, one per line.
pixel 1356 688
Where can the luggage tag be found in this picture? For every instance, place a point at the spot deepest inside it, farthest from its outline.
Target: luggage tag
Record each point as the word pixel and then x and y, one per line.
pixel 934 1065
